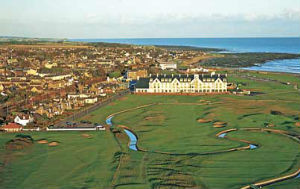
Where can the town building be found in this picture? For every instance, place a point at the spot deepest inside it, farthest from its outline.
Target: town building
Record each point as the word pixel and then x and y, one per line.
pixel 12 127
pixel 168 66
pixel 23 119
pixel 197 83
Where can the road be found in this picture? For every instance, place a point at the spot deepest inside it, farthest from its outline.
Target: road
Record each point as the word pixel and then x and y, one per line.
pixel 89 109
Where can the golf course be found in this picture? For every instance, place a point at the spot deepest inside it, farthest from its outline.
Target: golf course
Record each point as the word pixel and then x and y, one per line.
pixel 210 141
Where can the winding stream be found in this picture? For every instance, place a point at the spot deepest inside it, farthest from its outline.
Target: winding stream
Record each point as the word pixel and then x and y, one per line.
pixel 108 120
pixel 253 146
pixel 133 140
pixel 222 135
pixel 132 137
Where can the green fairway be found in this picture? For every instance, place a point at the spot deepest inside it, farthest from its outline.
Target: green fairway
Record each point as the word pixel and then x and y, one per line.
pixel 77 162
pixel 175 143
pixel 229 170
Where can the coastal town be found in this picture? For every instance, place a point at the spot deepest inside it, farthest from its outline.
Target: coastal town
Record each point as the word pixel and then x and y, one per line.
pixel 41 85
pixel 160 94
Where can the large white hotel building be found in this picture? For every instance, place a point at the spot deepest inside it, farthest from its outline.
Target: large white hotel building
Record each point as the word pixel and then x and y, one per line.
pixel 197 83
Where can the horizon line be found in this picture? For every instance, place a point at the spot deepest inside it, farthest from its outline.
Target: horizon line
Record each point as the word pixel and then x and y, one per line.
pixel 8 36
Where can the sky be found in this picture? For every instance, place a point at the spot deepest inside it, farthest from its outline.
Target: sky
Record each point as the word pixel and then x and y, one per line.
pixel 149 18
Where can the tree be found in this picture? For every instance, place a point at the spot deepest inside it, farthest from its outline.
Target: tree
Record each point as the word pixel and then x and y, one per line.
pixel 115 74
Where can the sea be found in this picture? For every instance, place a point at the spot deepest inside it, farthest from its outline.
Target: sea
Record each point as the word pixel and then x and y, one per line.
pixel 236 45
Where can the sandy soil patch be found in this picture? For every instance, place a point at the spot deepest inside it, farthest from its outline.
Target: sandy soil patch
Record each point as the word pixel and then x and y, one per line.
pixel 219 126
pixel 42 141
pixel 53 144
pixel 86 135
pixel 297 124
pixel 220 123
pixel 204 120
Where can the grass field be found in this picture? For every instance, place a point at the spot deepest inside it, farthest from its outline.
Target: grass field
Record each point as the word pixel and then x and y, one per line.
pixel 174 141
pixel 77 162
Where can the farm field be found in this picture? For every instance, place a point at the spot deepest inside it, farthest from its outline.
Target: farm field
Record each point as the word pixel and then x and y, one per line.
pixel 178 142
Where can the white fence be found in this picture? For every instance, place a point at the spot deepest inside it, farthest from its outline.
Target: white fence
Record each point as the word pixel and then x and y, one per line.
pixel 97 128
pixel 35 129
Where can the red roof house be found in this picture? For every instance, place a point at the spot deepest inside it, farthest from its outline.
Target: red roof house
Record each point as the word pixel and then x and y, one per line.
pixel 12 127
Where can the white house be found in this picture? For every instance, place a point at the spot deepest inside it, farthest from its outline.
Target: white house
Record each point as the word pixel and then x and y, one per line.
pixel 91 100
pixel 194 70
pixel 23 120
pixel 168 66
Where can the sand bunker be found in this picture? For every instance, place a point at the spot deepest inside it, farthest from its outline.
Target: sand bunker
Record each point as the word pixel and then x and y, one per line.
pixel 18 143
pixel 204 120
pixel 219 124
pixel 53 144
pixel 42 141
pixel 86 136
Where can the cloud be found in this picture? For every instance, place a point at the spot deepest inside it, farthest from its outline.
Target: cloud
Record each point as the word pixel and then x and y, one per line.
pixel 114 24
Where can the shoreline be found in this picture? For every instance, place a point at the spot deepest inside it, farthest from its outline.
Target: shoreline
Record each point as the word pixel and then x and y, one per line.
pixel 269 56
